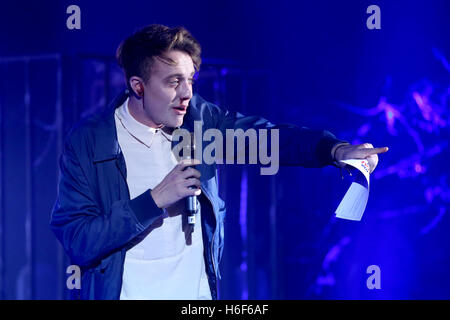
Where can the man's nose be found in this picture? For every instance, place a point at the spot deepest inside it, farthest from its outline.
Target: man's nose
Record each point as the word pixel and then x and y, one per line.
pixel 185 90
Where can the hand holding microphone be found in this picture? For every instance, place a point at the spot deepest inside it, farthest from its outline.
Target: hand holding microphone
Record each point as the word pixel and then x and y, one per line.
pixel 183 181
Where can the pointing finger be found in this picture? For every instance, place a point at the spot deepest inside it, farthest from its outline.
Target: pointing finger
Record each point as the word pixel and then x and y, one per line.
pixel 370 151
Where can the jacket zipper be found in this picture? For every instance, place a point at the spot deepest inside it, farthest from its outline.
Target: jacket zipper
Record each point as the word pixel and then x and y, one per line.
pixel 214 234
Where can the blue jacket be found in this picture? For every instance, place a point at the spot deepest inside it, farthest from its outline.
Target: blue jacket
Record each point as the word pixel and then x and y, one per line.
pixel 94 218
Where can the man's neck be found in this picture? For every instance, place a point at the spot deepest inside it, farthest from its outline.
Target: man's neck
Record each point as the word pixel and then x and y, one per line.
pixel 135 107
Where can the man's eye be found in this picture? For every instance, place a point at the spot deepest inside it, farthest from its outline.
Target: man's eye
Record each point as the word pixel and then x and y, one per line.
pixel 176 82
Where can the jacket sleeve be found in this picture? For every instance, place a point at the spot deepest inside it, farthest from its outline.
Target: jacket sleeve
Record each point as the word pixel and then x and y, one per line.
pixel 297 145
pixel 86 233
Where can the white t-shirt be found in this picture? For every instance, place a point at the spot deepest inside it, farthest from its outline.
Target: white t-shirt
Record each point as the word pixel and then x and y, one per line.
pixel 168 261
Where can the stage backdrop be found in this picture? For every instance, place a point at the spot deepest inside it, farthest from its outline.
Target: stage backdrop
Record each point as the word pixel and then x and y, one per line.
pixel 310 64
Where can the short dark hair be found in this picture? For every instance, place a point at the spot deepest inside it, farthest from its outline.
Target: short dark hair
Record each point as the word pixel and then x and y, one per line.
pixel 136 53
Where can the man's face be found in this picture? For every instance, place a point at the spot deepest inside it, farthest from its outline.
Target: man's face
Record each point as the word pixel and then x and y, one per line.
pixel 169 90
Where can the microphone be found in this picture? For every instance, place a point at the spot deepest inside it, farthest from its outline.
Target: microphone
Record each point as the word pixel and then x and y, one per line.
pixel 191 201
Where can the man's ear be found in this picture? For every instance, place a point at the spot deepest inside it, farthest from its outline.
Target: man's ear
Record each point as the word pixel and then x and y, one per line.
pixel 137 85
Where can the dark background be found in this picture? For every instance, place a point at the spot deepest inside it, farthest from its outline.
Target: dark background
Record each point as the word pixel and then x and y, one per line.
pixel 311 64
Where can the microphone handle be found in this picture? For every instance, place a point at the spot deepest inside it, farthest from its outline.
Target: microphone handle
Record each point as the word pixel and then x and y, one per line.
pixel 191 209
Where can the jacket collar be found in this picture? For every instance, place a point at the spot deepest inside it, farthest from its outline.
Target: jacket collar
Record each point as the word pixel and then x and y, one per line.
pixel 107 147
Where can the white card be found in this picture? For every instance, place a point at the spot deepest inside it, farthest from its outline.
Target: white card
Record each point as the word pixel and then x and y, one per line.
pixel 354 203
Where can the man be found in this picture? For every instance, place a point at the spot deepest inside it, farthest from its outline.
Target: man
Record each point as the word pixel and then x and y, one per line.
pixel 120 209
